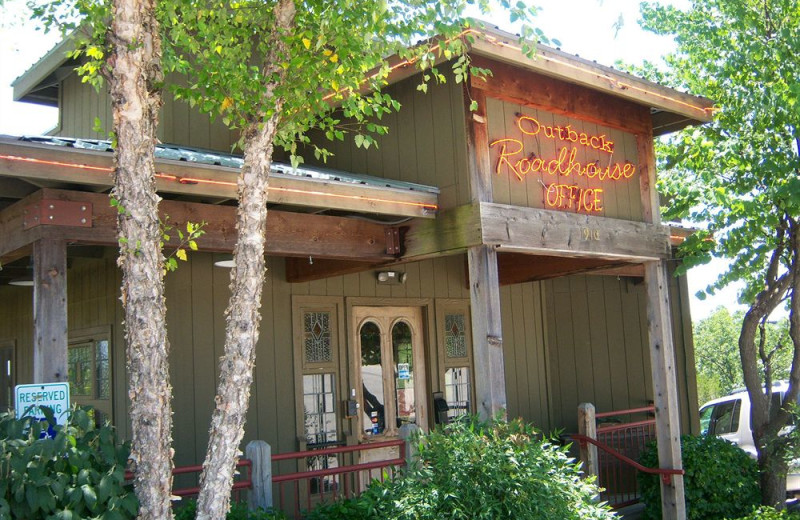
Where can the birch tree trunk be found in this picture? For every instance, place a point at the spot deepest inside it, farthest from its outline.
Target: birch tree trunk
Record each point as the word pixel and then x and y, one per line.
pixel 247 281
pixel 135 95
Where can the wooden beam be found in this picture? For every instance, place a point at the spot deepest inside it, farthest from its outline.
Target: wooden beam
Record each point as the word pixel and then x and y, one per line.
pixel 453 231
pixel 487 332
pixel 517 268
pixel 305 270
pixel 531 230
pixel 288 234
pixel 49 311
pixel 529 88
pixel 34 161
pixel 665 388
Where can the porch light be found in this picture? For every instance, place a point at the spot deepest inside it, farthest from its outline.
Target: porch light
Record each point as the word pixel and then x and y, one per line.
pixel 26 281
pixel 224 260
pixel 391 277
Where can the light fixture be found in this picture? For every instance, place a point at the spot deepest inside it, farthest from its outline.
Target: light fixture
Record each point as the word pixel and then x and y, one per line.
pixel 224 260
pixel 25 281
pixel 391 277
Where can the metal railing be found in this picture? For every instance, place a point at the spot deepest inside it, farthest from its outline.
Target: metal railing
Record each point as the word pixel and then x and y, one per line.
pixel 619 446
pixel 243 482
pixel 316 486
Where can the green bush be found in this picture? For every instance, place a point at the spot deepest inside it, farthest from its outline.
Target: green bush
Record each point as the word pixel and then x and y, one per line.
pixel 721 479
pixel 471 470
pixel 769 513
pixel 79 473
pixel 187 509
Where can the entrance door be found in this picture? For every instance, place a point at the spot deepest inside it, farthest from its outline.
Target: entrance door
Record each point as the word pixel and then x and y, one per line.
pixel 387 374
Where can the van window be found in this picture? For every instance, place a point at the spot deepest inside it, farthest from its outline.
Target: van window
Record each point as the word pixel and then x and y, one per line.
pixel 725 418
pixel 705 419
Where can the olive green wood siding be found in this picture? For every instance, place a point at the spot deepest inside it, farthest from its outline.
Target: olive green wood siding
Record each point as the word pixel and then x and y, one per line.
pixel 620 199
pixel 179 124
pixel 526 371
pixel 569 340
pixel 597 347
pixel 426 142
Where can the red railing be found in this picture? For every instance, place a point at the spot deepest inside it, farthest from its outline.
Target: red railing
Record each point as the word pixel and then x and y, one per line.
pixel 620 445
pixel 333 480
pixel 245 482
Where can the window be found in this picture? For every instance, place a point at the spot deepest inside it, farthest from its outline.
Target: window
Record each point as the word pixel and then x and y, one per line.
pixel 317 375
pixel 725 418
pixel 89 373
pixel 455 357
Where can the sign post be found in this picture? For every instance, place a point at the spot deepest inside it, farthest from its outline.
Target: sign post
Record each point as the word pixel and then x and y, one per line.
pixel 28 400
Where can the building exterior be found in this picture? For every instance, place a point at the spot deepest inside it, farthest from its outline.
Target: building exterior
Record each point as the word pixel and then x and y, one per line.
pixel 510 258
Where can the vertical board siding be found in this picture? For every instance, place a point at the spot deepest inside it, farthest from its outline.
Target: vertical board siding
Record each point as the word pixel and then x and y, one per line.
pixel 620 199
pixel 179 124
pixel 598 350
pixel 426 142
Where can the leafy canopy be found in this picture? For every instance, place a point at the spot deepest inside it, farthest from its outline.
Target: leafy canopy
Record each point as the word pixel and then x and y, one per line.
pixel 716 341
pixel 738 175
pixel 334 57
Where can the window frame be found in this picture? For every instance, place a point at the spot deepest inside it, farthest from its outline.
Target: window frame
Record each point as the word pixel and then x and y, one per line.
pixel 443 308
pixel 93 336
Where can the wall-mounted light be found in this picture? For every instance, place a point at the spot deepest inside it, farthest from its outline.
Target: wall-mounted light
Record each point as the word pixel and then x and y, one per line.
pixel 25 281
pixel 391 277
pixel 224 260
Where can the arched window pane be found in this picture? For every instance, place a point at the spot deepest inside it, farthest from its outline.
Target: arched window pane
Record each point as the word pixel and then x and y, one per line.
pixel 373 410
pixel 404 373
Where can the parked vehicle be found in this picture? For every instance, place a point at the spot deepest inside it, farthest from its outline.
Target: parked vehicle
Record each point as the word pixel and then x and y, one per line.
pixel 729 417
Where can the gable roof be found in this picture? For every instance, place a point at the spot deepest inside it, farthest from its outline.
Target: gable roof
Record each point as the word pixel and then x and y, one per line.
pixel 670 109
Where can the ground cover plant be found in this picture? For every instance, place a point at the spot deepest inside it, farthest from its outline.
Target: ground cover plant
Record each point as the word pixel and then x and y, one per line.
pixel 473 470
pixel 77 473
pixel 721 479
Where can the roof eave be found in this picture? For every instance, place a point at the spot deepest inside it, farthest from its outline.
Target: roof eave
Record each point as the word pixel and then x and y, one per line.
pixel 31 86
pixel 678 108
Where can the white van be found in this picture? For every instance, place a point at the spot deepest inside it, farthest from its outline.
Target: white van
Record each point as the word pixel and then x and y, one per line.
pixel 729 417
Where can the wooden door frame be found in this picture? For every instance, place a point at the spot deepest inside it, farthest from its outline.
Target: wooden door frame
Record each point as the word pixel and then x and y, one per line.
pixel 429 353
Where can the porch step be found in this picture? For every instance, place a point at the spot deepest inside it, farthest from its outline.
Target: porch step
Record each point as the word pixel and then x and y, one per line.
pixel 632 512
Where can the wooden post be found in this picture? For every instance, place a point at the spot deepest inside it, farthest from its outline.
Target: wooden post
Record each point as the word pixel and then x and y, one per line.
pixel 260 454
pixel 665 390
pixel 484 284
pixel 487 333
pixel 408 434
pixel 587 425
pixel 49 311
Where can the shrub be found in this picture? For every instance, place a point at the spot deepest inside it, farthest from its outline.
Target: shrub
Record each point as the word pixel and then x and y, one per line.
pixel 721 479
pixel 187 510
pixel 472 470
pixel 769 513
pixel 79 473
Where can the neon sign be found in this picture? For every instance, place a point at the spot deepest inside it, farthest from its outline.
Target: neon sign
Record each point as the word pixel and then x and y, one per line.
pixel 531 126
pixel 562 195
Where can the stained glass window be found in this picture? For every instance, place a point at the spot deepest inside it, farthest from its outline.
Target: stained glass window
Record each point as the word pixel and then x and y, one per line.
pixel 455 336
pixel 317 337
pixel 79 371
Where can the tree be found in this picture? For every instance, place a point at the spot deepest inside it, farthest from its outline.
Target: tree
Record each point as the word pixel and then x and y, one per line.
pixel 739 178
pixel 274 70
pixel 719 366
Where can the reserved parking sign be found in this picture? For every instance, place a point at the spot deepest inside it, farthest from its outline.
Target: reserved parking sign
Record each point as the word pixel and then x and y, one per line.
pixel 28 400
